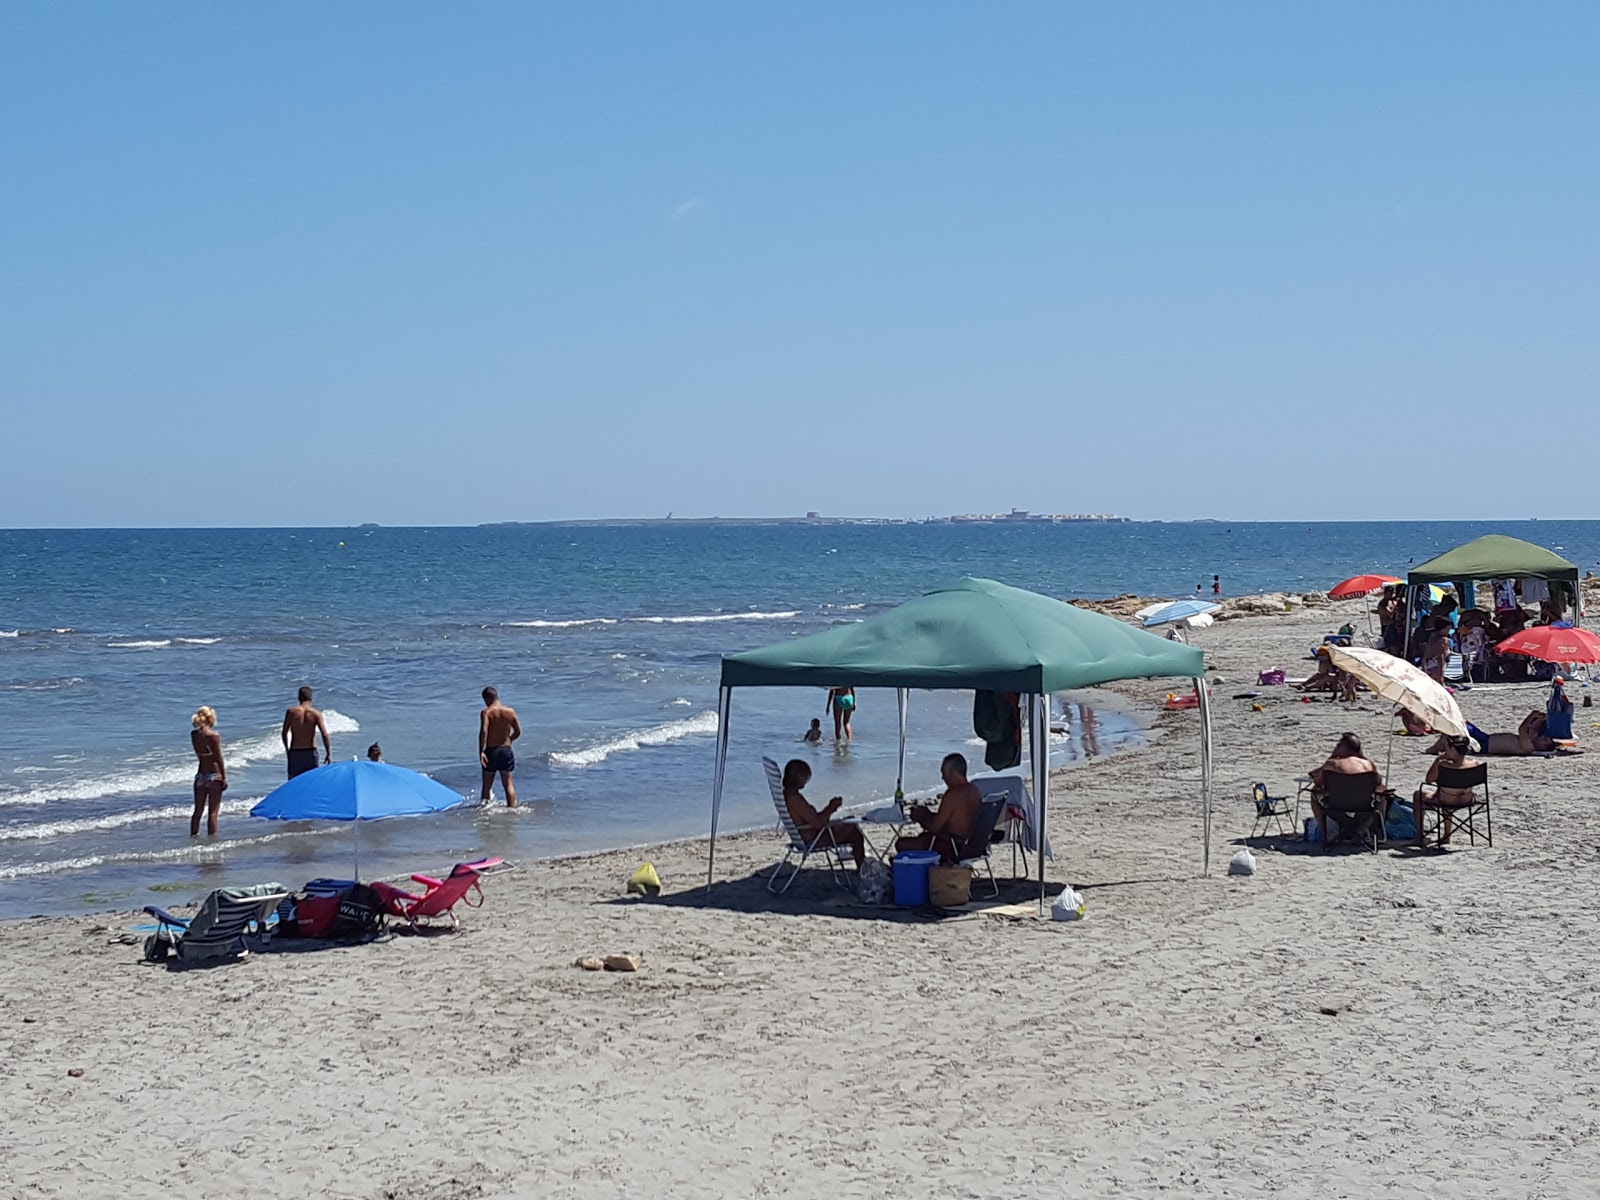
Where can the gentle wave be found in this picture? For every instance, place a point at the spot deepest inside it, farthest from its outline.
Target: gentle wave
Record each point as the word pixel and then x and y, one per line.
pixel 656 735
pixel 200 641
pixel 138 816
pixel 173 772
pixel 41 685
pixel 157 644
pixel 195 851
pixel 709 618
pixel 10 633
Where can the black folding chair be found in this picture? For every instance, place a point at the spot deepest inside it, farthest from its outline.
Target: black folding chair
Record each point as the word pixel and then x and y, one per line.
pixel 1356 803
pixel 1464 813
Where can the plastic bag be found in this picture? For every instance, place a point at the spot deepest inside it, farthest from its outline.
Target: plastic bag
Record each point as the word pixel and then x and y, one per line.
pixel 1242 863
pixel 644 882
pixel 877 884
pixel 1068 906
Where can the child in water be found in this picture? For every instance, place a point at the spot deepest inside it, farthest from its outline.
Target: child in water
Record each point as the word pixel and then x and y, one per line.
pixel 814 734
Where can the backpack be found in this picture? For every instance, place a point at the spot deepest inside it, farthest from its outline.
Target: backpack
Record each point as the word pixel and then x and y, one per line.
pixel 359 914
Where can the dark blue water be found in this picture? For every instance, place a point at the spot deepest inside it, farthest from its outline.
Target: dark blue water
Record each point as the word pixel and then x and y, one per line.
pixel 606 640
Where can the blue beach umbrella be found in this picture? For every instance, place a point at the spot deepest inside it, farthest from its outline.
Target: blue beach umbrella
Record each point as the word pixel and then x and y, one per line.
pixel 1180 610
pixel 355 791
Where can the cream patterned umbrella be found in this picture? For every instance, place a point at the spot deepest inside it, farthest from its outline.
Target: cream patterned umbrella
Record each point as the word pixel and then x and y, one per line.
pixel 1403 684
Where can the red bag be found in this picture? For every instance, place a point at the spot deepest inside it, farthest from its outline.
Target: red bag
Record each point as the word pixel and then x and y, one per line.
pixel 315 916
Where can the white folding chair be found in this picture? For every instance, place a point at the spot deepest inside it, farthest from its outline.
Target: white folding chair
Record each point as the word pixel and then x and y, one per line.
pixel 822 844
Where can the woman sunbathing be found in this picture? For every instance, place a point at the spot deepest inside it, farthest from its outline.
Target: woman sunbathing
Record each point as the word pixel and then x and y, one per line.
pixel 1528 739
pixel 813 824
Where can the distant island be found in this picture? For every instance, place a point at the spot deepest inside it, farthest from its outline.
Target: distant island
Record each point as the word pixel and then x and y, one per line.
pixel 1017 516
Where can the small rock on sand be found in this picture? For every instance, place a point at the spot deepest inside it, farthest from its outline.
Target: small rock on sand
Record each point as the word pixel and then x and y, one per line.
pixel 621 962
pixel 590 964
pixel 75 1072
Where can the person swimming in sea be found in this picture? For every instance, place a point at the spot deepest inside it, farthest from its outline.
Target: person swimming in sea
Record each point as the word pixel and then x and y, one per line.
pixel 813 735
pixel 211 775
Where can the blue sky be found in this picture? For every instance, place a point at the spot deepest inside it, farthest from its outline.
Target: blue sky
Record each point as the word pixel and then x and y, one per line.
pixel 422 264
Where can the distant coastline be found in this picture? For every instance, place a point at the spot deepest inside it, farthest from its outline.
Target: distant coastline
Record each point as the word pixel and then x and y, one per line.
pixel 1016 516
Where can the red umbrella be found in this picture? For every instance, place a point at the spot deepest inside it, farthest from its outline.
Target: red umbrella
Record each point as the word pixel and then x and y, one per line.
pixel 1553 644
pixel 1361 585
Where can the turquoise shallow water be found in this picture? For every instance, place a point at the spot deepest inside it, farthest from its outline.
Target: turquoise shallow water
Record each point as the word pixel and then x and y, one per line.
pixel 606 640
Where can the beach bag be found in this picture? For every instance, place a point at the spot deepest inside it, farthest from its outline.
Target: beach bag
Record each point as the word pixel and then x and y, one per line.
pixel 358 915
pixel 314 916
pixel 1272 678
pixel 877 884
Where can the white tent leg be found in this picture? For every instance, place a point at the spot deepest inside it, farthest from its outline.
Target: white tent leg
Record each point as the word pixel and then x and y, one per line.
pixel 1039 745
pixel 903 696
pixel 724 705
pixel 1203 694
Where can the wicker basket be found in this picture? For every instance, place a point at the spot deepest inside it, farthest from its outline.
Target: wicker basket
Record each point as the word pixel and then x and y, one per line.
pixel 949 887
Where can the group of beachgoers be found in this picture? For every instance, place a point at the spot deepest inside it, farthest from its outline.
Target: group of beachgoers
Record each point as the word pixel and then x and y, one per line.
pixel 1349 759
pixel 303 724
pixel 945 829
pixel 1447 628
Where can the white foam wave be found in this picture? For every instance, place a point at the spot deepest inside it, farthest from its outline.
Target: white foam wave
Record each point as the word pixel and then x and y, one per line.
pixel 195 851
pixel 155 644
pixel 169 770
pixel 200 641
pixel 40 685
pixel 138 816
pixel 577 624
pixel 656 735
pixel 708 618
pixel 10 633
pixel 679 702
pixel 746 616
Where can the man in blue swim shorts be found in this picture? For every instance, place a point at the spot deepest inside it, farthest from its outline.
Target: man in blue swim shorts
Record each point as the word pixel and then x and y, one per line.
pixel 498 727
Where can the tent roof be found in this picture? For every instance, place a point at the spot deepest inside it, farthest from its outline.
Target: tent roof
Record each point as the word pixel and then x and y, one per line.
pixel 1493 556
pixel 973 634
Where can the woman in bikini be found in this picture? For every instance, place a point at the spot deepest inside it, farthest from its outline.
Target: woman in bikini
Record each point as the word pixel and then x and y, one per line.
pixel 211 777
pixel 843 702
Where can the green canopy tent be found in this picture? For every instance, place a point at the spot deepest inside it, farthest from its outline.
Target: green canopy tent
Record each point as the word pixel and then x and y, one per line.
pixel 1493 556
pixel 973 634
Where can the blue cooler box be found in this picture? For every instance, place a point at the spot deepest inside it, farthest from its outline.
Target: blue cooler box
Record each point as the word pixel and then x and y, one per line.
pixel 911 877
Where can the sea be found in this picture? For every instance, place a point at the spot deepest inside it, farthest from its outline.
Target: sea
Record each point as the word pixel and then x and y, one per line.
pixel 607 641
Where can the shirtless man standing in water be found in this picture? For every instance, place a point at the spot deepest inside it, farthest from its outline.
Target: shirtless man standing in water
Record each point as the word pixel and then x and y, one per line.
pixel 498 727
pixel 301 724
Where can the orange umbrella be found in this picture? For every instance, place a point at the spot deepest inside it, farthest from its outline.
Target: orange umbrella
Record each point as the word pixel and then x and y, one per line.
pixel 1553 644
pixel 1360 585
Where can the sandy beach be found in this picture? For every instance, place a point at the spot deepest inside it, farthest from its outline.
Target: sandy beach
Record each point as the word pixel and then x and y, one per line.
pixel 1341 1024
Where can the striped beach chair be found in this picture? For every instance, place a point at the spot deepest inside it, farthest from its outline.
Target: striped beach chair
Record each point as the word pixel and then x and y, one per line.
pixel 822 844
pixel 218 930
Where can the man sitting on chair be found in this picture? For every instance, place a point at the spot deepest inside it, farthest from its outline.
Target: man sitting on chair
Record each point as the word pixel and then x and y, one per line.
pixel 1431 795
pixel 810 822
pixel 1346 759
pixel 946 828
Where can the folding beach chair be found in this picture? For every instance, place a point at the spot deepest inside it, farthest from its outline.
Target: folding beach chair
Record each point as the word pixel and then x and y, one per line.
pixel 1356 803
pixel 218 930
pixel 442 895
pixel 823 843
pixel 1270 811
pixel 1016 818
pixel 976 848
pixel 1463 814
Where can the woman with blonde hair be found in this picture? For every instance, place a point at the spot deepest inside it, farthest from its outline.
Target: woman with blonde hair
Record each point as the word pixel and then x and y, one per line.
pixel 211 777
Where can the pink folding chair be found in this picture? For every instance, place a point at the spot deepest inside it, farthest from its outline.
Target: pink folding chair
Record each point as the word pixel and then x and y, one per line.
pixel 441 896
